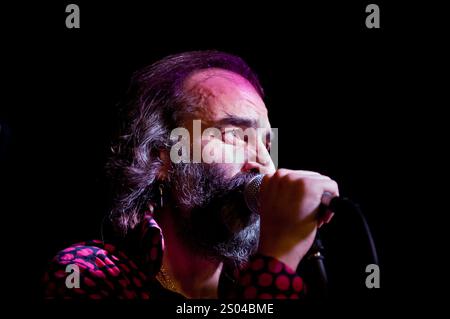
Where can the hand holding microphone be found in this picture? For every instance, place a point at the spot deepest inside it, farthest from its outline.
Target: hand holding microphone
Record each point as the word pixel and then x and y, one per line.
pixel 288 202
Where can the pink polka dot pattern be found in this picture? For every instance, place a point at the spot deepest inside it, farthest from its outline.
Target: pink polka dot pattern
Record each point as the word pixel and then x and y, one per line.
pixel 108 271
pixel 297 284
pixel 282 282
pixel 257 264
pixel 275 266
pixel 102 275
pixel 266 277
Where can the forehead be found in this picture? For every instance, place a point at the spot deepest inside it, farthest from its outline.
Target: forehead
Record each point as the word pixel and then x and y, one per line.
pixel 223 93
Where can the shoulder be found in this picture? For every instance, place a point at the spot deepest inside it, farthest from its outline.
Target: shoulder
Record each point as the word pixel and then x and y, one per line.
pixel 87 255
pixel 83 269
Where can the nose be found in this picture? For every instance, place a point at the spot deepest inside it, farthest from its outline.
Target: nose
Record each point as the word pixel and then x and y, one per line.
pixel 252 167
pixel 258 161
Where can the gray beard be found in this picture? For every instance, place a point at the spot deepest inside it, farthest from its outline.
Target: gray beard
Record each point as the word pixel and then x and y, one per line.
pixel 210 214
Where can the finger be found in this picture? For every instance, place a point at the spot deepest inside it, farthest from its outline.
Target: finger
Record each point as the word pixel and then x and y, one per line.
pixel 330 187
pixel 306 173
pixel 325 218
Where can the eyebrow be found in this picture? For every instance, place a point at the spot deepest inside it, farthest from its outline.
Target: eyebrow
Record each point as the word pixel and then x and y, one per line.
pixel 237 121
pixel 241 122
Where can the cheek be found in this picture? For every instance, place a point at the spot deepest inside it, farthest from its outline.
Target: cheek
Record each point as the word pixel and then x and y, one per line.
pixel 234 154
pixel 223 155
pixel 215 151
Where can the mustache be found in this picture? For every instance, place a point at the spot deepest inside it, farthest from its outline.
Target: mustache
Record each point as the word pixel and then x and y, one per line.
pixel 198 184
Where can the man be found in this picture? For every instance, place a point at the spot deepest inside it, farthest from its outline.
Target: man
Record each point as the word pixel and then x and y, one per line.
pixel 181 228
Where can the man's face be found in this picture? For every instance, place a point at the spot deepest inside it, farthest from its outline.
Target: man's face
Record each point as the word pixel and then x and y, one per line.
pixel 229 103
pixel 209 208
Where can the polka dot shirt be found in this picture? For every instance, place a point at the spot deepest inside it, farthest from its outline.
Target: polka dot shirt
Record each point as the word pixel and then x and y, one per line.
pixel 117 271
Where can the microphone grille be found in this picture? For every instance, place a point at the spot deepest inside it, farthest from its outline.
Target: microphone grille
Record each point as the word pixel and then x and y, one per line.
pixel 251 193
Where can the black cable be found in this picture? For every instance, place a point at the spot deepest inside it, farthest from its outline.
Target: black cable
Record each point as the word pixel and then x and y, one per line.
pixel 339 204
pixel 316 257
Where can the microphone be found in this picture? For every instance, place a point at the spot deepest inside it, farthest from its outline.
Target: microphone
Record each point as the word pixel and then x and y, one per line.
pixel 251 196
pixel 336 204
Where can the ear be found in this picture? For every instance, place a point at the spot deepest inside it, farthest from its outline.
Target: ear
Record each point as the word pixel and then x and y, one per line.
pixel 163 174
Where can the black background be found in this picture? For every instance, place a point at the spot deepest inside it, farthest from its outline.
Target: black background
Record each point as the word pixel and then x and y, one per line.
pixel 340 95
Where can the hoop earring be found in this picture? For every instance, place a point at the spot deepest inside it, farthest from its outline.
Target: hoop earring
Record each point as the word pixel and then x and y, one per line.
pixel 161 195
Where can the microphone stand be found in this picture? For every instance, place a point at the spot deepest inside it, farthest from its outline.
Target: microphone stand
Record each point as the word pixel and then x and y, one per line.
pixel 319 279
